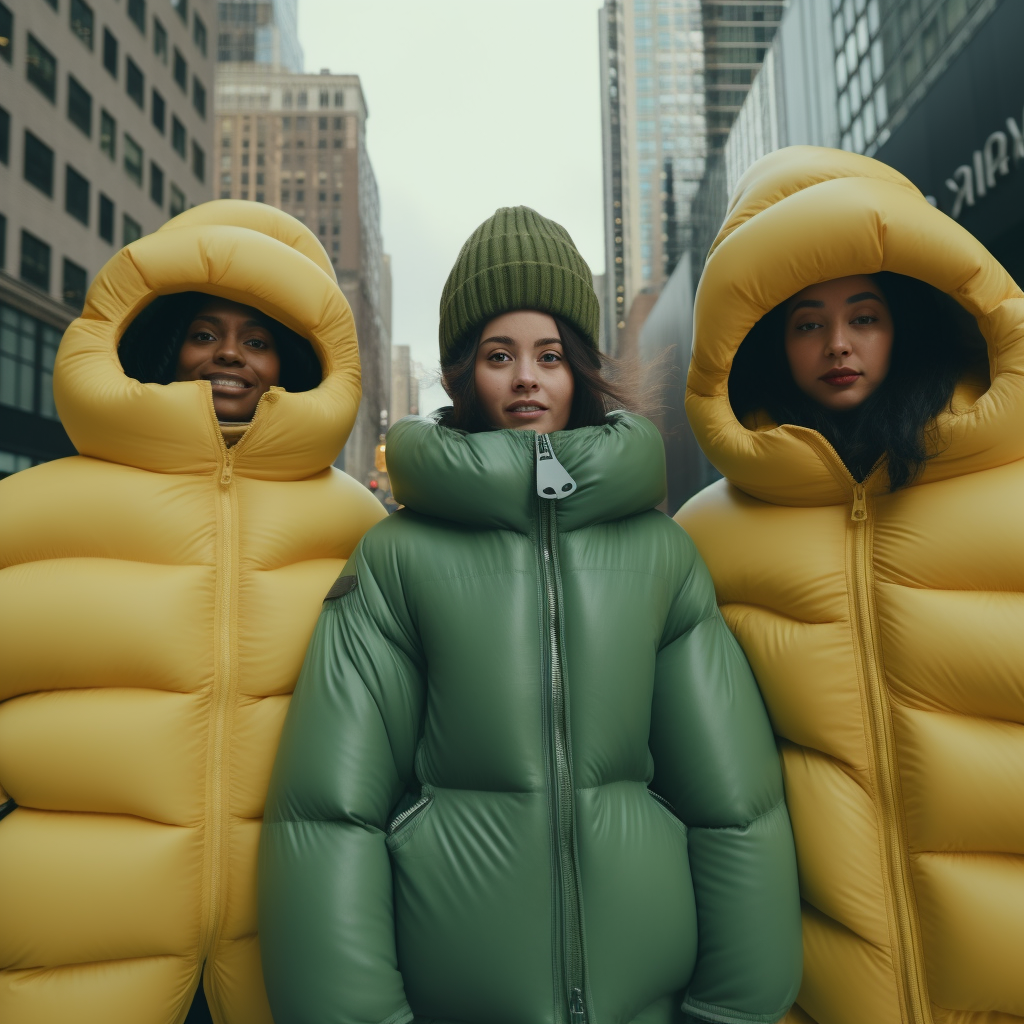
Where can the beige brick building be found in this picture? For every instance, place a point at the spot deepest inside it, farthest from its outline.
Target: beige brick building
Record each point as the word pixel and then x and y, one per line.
pixel 106 131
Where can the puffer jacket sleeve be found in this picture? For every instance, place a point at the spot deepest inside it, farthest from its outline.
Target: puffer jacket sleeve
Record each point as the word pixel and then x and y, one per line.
pixel 715 760
pixel 326 914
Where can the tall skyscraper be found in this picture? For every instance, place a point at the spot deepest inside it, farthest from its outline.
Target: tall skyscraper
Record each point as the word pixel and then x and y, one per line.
pixel 262 32
pixel 298 142
pixel 652 84
pixel 106 128
pixel 737 35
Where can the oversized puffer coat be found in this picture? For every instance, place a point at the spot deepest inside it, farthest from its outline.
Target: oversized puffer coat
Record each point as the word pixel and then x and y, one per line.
pixel 157 593
pixel 886 630
pixel 460 824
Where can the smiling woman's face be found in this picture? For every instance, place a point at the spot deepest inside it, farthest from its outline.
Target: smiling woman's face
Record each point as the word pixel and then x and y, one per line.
pixel 227 344
pixel 522 378
pixel 839 341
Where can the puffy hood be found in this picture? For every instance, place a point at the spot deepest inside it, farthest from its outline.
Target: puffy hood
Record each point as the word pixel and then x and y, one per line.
pixel 803 215
pixel 488 479
pixel 246 252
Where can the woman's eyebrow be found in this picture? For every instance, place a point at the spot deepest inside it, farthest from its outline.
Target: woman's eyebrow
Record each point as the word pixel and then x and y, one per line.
pixel 811 304
pixel 547 341
pixel 860 296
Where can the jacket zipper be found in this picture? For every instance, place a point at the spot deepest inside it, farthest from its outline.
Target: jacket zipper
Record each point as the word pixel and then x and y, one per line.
pixel 572 927
pixel 915 997
pixel 221 705
pixel 408 813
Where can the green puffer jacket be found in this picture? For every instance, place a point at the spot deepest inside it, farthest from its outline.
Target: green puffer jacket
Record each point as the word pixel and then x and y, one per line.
pixel 527 777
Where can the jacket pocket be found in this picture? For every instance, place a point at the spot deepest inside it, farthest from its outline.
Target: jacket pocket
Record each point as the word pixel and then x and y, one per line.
pixel 404 824
pixel 668 808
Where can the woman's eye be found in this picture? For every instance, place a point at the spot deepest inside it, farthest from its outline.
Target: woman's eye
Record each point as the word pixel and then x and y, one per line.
pixel 866 319
pixel 257 343
pixel 202 336
pixel 551 357
pixel 499 357
pixel 807 327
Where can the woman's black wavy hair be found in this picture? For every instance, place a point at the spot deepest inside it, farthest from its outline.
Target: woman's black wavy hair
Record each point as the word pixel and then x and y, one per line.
pixel 150 346
pixel 934 341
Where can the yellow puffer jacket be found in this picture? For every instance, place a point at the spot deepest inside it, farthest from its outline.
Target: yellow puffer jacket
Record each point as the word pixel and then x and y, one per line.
pixel 886 630
pixel 157 593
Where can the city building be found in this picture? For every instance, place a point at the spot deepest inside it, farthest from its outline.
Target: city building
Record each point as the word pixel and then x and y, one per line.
pixel 298 142
pixel 737 35
pixel 106 129
pixel 405 384
pixel 652 90
pixel 262 32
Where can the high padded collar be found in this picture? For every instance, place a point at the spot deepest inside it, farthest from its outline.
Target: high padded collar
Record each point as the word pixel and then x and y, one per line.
pixel 488 479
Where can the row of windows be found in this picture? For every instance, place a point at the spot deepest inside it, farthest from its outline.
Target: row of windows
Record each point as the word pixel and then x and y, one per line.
pixel 41 71
pixel 302 124
pixel 83 22
pixel 324 98
pixel 39 164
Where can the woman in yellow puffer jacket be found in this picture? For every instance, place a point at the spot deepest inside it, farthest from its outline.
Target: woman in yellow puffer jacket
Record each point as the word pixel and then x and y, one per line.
pixel 880 603
pixel 157 593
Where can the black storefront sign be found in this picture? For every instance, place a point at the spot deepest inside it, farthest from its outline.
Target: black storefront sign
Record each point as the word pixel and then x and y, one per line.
pixel 963 144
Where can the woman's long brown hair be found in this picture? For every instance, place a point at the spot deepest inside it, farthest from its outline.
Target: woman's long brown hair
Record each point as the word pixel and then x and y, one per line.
pixel 593 396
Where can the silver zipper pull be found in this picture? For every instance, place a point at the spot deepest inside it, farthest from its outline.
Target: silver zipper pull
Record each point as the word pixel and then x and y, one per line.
pixel 552 479
pixel 577 1011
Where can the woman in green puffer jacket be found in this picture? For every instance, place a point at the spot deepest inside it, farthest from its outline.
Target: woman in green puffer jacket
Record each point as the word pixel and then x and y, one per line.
pixel 526 777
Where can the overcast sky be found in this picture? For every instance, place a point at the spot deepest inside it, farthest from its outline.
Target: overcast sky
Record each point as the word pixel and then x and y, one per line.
pixel 474 104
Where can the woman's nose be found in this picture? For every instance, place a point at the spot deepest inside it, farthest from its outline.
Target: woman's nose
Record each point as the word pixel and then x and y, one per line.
pixel 839 343
pixel 229 351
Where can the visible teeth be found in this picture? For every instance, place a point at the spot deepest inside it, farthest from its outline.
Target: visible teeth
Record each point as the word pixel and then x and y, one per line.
pixel 526 408
pixel 228 382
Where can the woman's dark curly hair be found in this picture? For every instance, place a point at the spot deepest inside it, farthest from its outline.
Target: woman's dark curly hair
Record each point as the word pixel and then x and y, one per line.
pixel 151 344
pixel 934 341
pixel 593 396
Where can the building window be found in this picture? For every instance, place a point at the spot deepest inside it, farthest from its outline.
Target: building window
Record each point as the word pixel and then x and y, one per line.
pixel 38 168
pixel 285 196
pixel 286 102
pixel 6 32
pixel 76 195
pixel 42 69
pixel 159 41
pixel 82 21
pixel 110 52
pixel 73 291
pixel 322 144
pixel 302 99
pixel 133 159
pixel 300 196
pixel 177 201
pixel 181 6
pixel 79 106
pixel 180 70
pixel 178 137
pixel 137 12
pixel 5 142
pixel 159 111
pixel 199 33
pixel 339 98
pixel 35 261
pixel 198 97
pixel 259 197
pixel 108 134
pixel 106 219
pixel 130 230
pixel 260 178
pixel 245 177
pixel 156 184
pixel 136 83
pixel 198 161
pixel 27 350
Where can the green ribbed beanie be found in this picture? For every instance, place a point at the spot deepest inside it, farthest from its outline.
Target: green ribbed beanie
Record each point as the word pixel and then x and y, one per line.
pixel 517 259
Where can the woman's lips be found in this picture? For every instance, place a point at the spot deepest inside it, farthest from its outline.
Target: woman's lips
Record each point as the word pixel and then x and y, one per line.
pixel 526 414
pixel 840 378
pixel 229 385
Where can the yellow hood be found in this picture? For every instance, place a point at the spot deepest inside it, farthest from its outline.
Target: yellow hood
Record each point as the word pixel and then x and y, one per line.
pixel 247 252
pixel 803 215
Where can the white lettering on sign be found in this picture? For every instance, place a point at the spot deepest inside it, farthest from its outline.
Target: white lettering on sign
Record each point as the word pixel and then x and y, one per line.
pixel 971 182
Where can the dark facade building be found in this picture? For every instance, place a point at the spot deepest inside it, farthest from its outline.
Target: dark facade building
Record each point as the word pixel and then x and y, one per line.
pixel 963 143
